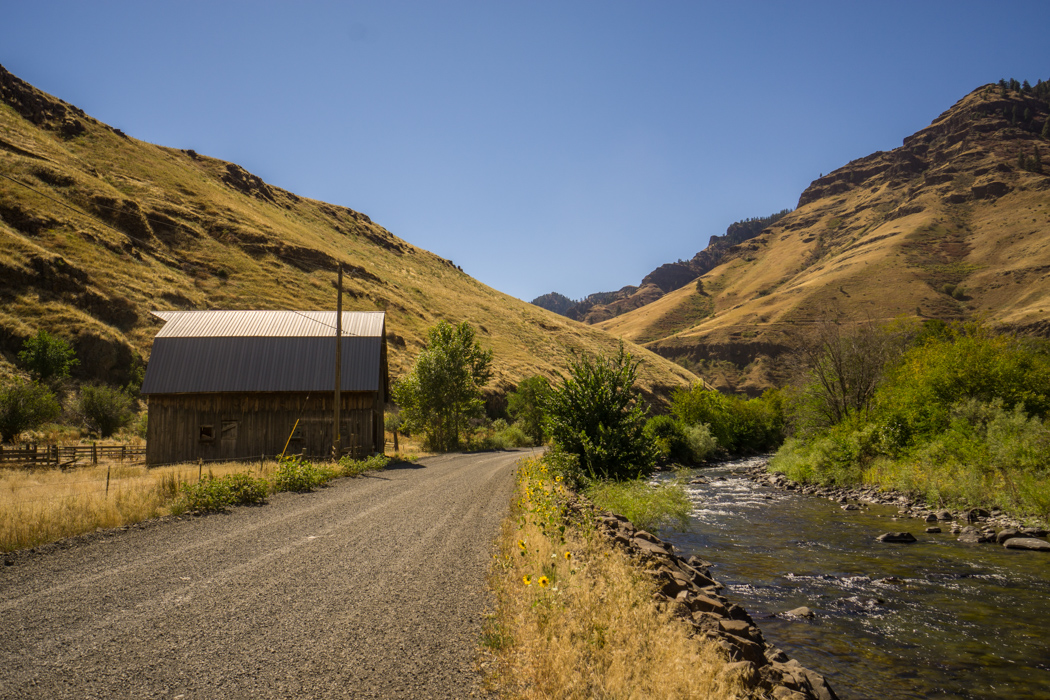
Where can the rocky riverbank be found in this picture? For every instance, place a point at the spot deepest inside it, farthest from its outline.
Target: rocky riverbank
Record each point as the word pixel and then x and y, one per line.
pixel 687 588
pixel 975 525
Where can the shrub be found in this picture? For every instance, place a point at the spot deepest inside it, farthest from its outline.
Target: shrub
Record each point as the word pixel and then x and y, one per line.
pixel 105 409
pixel 596 415
pixel 296 474
pixel 47 357
pixel 739 425
pixel 702 444
pixel 526 405
pixel 357 467
pixel 668 435
pixel 24 406
pixel 213 494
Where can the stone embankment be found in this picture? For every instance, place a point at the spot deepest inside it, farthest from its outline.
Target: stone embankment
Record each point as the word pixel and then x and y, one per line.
pixel 975 525
pixel 687 589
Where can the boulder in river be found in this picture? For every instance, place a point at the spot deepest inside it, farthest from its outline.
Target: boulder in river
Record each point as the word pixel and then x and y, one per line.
pixel 944 515
pixel 851 506
pixel 1008 534
pixel 799 612
pixel 975 514
pixel 903 537
pixel 932 530
pixel 1027 543
pixel 1035 531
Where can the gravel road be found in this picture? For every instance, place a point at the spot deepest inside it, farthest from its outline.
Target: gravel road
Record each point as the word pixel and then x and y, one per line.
pixel 370 588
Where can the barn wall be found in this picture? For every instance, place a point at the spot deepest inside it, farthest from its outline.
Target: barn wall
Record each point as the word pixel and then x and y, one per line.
pixel 212 427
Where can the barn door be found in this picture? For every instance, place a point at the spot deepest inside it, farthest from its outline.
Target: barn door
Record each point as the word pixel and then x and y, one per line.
pixel 228 445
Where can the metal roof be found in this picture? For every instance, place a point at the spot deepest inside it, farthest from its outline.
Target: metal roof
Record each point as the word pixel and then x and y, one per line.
pixel 257 351
pixel 270 324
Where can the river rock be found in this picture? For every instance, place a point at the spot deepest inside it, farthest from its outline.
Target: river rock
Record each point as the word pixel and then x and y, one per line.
pixel 903 537
pixel 851 506
pixel 944 515
pixel 1035 531
pixel 799 612
pixel 931 518
pixel 975 514
pixel 1027 543
pixel 975 537
pixel 1010 534
pixel 932 530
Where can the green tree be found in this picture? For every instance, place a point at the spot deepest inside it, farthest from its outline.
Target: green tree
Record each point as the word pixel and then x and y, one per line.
pixel 24 406
pixel 443 389
pixel 47 357
pixel 1046 128
pixel 105 409
pixel 525 405
pixel 596 415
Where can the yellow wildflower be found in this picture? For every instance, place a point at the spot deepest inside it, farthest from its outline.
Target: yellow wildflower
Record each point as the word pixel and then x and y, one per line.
pixel 527 580
pixel 568 555
pixel 544 582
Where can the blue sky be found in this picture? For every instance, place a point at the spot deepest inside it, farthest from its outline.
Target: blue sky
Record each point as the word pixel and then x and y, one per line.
pixel 543 146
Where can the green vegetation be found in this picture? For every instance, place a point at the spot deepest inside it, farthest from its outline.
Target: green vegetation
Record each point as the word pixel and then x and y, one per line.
pixel 680 443
pixel 649 507
pixel 297 474
pixel 739 425
pixel 48 358
pixel 105 409
pixel 216 494
pixel 443 389
pixel 24 406
pixel 959 418
pixel 596 416
pixel 525 405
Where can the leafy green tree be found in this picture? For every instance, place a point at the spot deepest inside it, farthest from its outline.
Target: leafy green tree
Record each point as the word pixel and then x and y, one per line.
pixel 105 409
pixel 1046 128
pixel 443 390
pixel 525 405
pixel 24 406
pixel 47 357
pixel 596 415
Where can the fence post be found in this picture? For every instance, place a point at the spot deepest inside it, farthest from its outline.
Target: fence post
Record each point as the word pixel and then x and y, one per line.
pixel 109 466
pixel 94 453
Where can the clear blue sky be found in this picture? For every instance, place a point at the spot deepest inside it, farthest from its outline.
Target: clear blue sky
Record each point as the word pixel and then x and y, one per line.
pixel 568 146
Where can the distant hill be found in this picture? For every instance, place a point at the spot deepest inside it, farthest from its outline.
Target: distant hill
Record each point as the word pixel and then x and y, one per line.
pixel 603 306
pixel 98 228
pixel 954 224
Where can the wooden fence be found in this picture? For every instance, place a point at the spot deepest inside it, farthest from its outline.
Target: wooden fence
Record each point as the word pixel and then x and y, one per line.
pixel 69 455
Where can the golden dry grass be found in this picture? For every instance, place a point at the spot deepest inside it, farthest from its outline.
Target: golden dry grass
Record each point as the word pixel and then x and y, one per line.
pixel 44 505
pixel 576 618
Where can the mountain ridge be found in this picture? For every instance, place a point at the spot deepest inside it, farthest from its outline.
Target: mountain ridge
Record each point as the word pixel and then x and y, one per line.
pixel 97 229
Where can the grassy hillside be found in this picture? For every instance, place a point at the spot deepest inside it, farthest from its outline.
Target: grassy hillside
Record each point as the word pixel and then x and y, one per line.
pixel 953 224
pixel 98 228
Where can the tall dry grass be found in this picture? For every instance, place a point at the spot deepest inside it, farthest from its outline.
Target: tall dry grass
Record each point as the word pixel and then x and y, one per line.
pixel 576 619
pixel 43 505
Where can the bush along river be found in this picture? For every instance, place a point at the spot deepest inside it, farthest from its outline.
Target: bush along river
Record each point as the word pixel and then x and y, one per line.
pixel 950 615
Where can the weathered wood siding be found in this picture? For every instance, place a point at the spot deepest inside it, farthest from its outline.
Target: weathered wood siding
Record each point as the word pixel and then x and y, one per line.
pixel 188 427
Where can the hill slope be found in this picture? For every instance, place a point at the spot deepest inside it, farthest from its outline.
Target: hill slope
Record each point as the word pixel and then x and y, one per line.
pixel 953 224
pixel 97 229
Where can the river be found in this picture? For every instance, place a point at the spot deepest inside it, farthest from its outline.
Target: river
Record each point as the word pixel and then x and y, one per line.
pixel 933 619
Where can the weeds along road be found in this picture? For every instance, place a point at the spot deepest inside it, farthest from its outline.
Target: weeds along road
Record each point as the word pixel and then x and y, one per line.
pixel 370 588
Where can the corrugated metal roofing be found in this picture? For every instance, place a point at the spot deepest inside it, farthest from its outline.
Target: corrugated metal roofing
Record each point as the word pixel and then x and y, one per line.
pixel 270 324
pixel 229 351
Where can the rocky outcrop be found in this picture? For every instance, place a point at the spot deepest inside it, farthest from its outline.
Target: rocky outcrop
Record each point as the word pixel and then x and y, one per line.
pixel 688 590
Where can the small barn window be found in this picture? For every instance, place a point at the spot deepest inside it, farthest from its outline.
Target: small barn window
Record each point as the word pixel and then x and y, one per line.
pixel 229 431
pixel 297 434
pixel 207 433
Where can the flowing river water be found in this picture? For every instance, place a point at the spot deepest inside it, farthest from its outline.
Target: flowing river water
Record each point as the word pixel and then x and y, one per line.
pixel 933 619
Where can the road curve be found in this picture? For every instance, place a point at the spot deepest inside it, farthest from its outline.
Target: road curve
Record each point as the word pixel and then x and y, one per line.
pixel 370 588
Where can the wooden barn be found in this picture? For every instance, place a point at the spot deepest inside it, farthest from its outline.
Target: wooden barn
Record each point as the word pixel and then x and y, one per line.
pixel 228 385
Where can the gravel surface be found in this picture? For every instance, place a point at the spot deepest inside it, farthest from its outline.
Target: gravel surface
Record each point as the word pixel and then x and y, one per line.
pixel 370 588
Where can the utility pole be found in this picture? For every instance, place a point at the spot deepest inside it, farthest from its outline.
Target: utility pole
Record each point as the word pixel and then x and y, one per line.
pixel 337 442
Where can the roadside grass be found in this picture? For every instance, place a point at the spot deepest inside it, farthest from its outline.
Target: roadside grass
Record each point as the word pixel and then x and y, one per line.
pixel 649 506
pixel 38 506
pixel 575 618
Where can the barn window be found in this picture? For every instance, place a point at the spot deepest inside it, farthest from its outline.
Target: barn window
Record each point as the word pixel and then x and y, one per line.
pixel 229 431
pixel 207 433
